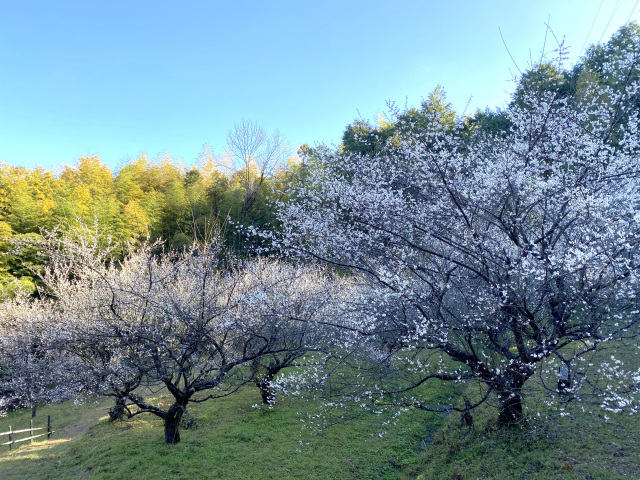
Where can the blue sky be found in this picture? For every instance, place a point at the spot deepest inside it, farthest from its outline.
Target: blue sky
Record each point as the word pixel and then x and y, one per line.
pixel 120 78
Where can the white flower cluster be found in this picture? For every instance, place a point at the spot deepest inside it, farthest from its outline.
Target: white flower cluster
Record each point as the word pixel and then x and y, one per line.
pixel 497 251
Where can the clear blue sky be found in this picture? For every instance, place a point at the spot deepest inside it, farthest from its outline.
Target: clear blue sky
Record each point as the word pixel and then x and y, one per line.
pixel 119 78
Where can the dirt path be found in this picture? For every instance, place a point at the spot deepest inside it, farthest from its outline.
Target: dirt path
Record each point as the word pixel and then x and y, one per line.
pixel 76 429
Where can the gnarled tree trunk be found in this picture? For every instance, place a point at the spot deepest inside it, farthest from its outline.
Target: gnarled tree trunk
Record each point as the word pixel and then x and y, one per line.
pixel 171 423
pixel 510 407
pixel 266 390
pixel 118 411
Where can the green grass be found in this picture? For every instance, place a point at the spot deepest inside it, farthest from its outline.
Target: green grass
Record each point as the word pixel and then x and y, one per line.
pixel 65 418
pixel 580 442
pixel 579 446
pixel 230 440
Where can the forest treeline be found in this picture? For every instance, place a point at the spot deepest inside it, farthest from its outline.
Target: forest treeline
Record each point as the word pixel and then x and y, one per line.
pixel 162 198
pixel 150 199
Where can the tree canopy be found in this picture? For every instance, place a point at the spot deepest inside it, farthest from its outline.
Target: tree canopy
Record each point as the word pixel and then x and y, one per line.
pixel 512 254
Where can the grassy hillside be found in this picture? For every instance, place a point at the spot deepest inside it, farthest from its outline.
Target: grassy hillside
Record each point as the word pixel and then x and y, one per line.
pixel 231 439
pixel 579 441
pixel 583 446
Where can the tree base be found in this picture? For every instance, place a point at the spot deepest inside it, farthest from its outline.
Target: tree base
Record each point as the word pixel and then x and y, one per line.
pixel 511 412
pixel 171 431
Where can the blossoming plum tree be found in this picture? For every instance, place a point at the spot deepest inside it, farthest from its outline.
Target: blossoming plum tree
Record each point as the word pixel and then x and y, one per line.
pixel 32 369
pixel 189 321
pixel 504 254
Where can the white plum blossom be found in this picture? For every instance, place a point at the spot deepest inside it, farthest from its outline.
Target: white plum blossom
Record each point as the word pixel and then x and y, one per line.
pixel 197 322
pixel 501 252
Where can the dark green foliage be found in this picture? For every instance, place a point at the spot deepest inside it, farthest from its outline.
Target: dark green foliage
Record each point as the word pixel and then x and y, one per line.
pixel 418 124
pixel 545 77
pixel 362 137
pixel 489 122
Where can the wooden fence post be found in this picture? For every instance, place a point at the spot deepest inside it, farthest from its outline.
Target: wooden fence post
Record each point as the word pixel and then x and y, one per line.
pixel 31 431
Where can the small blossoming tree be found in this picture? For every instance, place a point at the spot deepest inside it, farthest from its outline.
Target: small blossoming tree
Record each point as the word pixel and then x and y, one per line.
pixel 32 370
